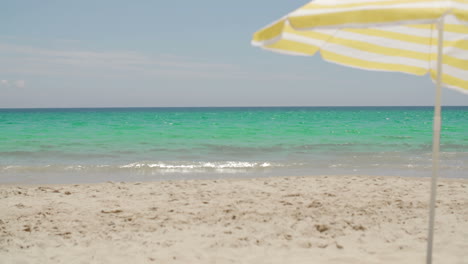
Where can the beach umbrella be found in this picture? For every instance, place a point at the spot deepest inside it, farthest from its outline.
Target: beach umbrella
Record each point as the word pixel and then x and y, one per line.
pixel 411 36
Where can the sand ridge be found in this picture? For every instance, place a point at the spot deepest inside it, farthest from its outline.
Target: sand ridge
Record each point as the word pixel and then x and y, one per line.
pixel 317 219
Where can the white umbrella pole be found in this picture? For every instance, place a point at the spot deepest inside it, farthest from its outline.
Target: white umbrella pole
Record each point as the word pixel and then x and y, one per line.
pixel 435 139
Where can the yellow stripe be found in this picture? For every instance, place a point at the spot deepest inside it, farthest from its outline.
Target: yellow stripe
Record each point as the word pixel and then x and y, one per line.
pixel 354 62
pixel 308 34
pixel 461 44
pixel 453 28
pixel 422 26
pixel 270 32
pixel 387 51
pixel 365 46
pixel 462 29
pixel 454 62
pixel 289 45
pixel 452 81
pixel 461 14
pixel 309 49
pixel 365 17
pixel 314 5
pixel 391 35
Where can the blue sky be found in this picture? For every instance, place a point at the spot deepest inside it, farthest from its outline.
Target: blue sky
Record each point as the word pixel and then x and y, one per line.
pixel 173 53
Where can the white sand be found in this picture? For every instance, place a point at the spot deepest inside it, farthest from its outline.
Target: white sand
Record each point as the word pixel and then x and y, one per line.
pixel 339 219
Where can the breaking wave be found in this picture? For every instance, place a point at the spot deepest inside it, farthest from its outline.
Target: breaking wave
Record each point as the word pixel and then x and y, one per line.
pixel 156 167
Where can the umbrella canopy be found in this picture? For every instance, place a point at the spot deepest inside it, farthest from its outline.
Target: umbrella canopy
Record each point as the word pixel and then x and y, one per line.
pixel 410 36
pixel 383 35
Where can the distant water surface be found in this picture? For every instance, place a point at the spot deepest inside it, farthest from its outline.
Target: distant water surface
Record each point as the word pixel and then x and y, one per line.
pixel 93 145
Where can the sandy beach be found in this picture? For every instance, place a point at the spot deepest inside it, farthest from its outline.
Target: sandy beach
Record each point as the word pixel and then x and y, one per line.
pixel 317 219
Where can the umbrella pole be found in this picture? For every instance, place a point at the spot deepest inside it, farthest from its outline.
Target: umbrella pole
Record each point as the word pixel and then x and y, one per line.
pixel 435 139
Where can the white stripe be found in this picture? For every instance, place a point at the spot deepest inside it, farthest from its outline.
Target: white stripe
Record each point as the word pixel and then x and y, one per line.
pixel 257 43
pixel 287 52
pixel 267 42
pixel 384 42
pixel 450 51
pixel 325 31
pixel 456 53
pixel 305 40
pixel 398 44
pixel 339 2
pixel 309 12
pixel 420 32
pixel 373 57
pixel 461 6
pixel 369 25
pixel 449 70
pixel 451 19
pixel 368 69
pixel 359 54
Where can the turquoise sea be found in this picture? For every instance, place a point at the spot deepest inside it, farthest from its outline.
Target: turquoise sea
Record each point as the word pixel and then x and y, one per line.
pixel 139 144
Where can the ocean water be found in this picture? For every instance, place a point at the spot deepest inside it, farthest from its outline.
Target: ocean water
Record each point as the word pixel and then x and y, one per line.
pixel 140 144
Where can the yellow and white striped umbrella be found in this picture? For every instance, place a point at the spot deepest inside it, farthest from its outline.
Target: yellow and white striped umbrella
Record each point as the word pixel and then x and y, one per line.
pixel 411 36
pixel 383 35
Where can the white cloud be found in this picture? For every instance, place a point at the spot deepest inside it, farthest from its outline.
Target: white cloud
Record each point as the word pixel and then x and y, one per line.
pixel 16 84
pixel 27 60
pixel 20 83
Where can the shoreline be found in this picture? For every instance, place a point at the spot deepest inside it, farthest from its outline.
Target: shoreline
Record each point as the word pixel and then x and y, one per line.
pixel 71 179
pixel 315 219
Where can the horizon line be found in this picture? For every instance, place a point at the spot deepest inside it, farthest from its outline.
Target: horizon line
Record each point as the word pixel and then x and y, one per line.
pixel 273 106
